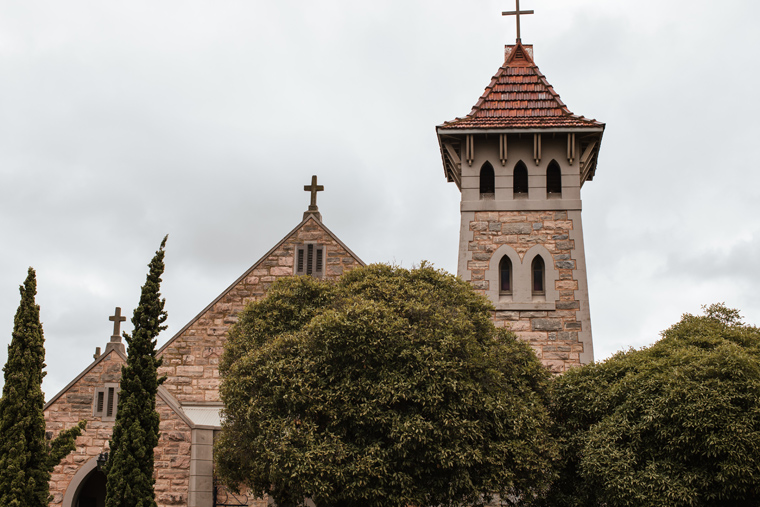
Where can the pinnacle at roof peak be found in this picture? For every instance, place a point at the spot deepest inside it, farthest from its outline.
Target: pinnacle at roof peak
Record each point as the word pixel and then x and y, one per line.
pixel 313 208
pixel 518 54
pixel 519 96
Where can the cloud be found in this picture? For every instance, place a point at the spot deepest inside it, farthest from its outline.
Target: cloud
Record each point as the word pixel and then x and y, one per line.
pixel 124 122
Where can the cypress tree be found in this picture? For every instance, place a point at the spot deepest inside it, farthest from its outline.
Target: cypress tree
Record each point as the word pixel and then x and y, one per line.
pixel 26 459
pixel 129 469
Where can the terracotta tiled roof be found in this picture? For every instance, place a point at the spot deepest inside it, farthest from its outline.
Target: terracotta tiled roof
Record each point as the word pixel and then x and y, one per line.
pixel 519 96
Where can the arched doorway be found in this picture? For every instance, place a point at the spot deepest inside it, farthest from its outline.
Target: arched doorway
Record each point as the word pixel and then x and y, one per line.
pixel 87 488
pixel 92 492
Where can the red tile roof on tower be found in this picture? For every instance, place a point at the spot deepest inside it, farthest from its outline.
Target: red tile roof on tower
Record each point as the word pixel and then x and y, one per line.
pixel 519 96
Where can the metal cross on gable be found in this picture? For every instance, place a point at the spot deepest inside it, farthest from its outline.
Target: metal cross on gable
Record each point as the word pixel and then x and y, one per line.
pixel 313 188
pixel 117 319
pixel 517 13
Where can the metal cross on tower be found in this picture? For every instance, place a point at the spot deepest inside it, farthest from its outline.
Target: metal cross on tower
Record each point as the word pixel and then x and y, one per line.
pixel 313 188
pixel 517 13
pixel 117 319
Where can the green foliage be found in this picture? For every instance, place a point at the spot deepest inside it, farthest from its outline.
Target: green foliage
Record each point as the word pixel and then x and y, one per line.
pixel 389 388
pixel 129 469
pixel 26 460
pixel 675 424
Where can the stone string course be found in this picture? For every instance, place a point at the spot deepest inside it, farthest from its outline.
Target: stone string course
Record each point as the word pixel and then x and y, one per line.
pixel 553 334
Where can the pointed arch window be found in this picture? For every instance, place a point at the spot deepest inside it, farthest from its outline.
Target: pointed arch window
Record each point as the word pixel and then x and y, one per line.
pixel 487 181
pixel 520 180
pixel 505 276
pixel 553 180
pixel 538 276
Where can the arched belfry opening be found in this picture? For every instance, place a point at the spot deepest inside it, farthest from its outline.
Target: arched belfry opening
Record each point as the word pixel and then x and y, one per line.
pixel 553 180
pixel 487 181
pixel 520 180
pixel 92 492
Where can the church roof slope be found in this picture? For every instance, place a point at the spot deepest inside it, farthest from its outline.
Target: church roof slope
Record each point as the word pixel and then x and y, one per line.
pixel 520 97
pixel 117 353
pixel 308 219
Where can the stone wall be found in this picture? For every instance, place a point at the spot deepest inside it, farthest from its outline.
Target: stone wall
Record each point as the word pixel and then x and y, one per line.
pixel 552 328
pixel 172 458
pixel 74 405
pixel 172 455
pixel 191 364
pixel 191 358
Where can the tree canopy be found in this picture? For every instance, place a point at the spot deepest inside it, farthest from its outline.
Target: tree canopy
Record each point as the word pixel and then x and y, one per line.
pixel 26 459
pixel 674 424
pixel 129 470
pixel 390 388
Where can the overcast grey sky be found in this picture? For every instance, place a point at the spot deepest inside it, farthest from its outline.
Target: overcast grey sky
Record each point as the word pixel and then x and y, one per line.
pixel 124 121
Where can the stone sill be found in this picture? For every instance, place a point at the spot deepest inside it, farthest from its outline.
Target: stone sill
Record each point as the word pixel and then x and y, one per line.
pixel 534 306
pixel 522 205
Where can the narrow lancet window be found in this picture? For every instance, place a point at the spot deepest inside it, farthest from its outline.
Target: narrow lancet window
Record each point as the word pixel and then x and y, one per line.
pixel 101 402
pixel 300 266
pixel 110 406
pixel 538 276
pixel 487 182
pixel 309 259
pixel 505 276
pixel 553 180
pixel 520 180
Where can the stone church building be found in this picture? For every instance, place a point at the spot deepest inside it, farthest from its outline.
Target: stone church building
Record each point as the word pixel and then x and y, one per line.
pixel 519 158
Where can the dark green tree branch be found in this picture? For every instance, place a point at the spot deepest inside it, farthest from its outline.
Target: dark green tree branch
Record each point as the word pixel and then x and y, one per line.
pixel 25 458
pixel 675 424
pixel 129 470
pixel 390 388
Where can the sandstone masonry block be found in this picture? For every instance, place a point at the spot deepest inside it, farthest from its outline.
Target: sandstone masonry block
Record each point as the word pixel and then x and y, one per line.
pixel 547 324
pixel 517 228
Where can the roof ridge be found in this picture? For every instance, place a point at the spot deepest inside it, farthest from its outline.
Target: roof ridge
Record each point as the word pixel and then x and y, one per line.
pixel 551 90
pixel 519 53
pixel 487 91
pixel 89 367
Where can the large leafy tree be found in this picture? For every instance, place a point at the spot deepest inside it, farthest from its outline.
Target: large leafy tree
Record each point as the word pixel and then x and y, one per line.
pixel 26 458
pixel 675 424
pixel 129 469
pixel 390 388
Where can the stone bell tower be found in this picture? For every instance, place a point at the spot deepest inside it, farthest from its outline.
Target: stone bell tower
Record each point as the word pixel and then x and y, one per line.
pixel 520 158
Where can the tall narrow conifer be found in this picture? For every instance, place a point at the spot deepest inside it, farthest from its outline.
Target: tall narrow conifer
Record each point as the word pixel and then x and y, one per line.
pixel 129 469
pixel 26 459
